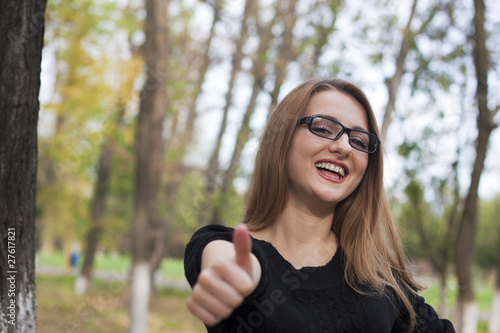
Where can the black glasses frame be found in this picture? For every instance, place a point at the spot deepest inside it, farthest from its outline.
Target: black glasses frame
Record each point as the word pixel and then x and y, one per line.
pixel 374 140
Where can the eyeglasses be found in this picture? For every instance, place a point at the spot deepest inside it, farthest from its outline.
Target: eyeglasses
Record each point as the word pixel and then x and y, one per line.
pixel 331 129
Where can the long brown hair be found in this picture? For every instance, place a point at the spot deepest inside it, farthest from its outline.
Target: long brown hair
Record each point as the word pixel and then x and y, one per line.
pixel 367 233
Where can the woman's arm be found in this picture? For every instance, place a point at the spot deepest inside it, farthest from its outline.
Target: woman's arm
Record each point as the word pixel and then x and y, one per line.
pixel 229 273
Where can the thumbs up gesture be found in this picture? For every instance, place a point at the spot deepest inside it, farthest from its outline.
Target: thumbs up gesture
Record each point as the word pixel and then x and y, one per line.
pixel 229 273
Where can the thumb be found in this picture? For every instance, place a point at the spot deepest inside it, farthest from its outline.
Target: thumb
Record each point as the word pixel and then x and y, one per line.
pixel 243 246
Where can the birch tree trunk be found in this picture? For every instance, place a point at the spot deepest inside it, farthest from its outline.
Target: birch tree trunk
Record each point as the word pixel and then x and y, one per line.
pixel 322 34
pixel 22 26
pixel 259 76
pixel 213 163
pixel 179 143
pixel 494 322
pixel 84 279
pixel 286 54
pixel 467 310
pixel 448 242
pixel 394 82
pixel 149 157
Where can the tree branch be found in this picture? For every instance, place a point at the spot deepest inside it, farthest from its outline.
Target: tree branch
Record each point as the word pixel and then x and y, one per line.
pixel 494 112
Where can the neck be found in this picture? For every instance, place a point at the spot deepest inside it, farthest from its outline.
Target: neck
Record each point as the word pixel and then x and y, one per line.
pixel 300 227
pixel 302 237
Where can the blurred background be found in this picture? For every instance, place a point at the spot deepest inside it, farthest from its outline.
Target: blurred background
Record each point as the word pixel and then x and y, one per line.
pixel 151 113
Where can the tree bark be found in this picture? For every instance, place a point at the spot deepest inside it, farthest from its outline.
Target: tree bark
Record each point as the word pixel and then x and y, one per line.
pixel 286 52
pixel 202 71
pixel 494 321
pixel 467 309
pixel 394 82
pixel 149 157
pixel 213 163
pixel 448 242
pixel 179 143
pixel 259 76
pixel 22 26
pixel 98 207
pixel 94 233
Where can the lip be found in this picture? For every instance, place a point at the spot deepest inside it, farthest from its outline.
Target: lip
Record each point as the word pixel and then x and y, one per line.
pixel 335 180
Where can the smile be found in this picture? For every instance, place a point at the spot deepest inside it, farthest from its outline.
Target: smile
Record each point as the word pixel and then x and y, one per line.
pixel 331 167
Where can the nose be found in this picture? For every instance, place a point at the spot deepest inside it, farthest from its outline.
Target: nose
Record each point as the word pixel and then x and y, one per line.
pixel 341 145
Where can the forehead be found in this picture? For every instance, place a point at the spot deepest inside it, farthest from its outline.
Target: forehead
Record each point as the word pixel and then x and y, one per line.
pixel 340 106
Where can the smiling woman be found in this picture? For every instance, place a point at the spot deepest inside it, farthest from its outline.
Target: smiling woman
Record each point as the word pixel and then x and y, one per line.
pixel 332 149
pixel 318 250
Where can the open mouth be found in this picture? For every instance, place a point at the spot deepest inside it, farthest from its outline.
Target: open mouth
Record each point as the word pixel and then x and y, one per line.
pixel 331 169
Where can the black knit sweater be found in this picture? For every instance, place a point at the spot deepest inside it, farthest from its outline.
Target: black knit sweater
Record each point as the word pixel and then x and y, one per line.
pixel 311 299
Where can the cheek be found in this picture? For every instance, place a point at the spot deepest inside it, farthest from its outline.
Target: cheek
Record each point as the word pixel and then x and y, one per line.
pixel 292 163
pixel 295 149
pixel 297 155
pixel 361 167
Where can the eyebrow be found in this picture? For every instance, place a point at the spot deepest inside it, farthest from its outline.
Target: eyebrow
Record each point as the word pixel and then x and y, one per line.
pixel 356 127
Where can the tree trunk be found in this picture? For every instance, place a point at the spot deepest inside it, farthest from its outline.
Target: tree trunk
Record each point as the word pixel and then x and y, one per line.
pixel 443 306
pixel 22 25
pixel 178 144
pixel 467 308
pixel 394 82
pixel 494 322
pixel 202 71
pixel 286 52
pixel 84 279
pixel 448 242
pixel 149 157
pixel 241 139
pixel 213 163
pixel 323 33
pixel 259 75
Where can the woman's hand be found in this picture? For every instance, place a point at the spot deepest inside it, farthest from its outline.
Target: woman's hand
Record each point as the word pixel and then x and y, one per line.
pixel 229 273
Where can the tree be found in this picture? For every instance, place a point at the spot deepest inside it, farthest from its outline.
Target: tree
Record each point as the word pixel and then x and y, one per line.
pixel 86 56
pixel 319 39
pixel 467 310
pixel 407 43
pixel 21 40
pixel 286 51
pixel 101 188
pixel 148 164
pixel 429 233
pixel 259 74
pixel 213 162
pixel 488 253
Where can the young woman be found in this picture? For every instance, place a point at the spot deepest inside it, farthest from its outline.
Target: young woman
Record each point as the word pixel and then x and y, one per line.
pixel 318 250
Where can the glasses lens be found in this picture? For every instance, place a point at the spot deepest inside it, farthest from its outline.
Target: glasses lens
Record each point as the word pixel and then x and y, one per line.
pixel 360 140
pixel 325 127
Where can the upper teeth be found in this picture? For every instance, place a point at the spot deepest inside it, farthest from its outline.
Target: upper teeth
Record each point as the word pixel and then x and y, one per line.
pixel 331 167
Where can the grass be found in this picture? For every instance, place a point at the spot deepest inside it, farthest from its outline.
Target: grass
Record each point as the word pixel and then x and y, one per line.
pixel 104 309
pixel 171 268
pixel 484 296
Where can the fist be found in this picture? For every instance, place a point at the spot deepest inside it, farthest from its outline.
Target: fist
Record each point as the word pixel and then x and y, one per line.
pixel 229 273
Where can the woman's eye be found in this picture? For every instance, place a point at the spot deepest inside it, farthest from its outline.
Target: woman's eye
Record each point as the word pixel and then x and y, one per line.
pixel 358 142
pixel 321 130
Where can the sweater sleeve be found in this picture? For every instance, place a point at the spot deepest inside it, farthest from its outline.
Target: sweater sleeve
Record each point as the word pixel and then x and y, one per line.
pixel 207 234
pixel 427 321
